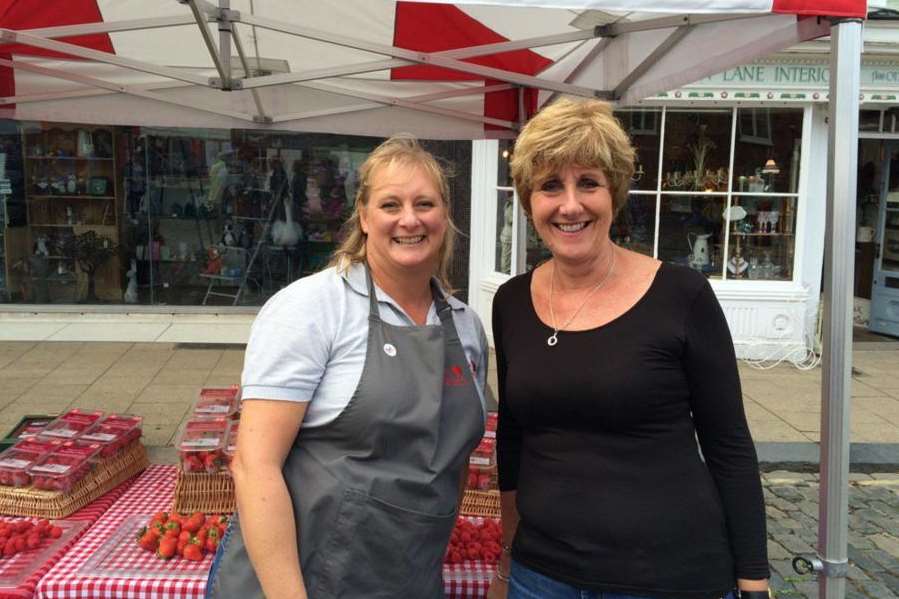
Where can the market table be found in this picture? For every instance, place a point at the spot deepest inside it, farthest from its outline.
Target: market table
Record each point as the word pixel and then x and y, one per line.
pixel 88 515
pixel 93 567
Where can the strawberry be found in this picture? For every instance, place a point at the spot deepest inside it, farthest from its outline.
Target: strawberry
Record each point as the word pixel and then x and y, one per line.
pixel 148 542
pixel 55 532
pixel 212 544
pixel 167 547
pixel 195 522
pixel 193 552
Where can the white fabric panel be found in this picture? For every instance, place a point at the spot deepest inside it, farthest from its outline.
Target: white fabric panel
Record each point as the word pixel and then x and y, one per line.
pixel 370 20
pixel 708 49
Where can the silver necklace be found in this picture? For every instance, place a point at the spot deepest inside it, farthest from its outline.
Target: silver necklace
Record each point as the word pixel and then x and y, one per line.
pixel 554 338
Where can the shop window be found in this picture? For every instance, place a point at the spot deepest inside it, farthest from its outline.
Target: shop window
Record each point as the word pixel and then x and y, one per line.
pixel 728 212
pixel 505 226
pixel 869 120
pixel 536 251
pixel 761 237
pixel 696 150
pixel 104 214
pixel 634 227
pixel 644 126
pixel 691 232
pixel 765 162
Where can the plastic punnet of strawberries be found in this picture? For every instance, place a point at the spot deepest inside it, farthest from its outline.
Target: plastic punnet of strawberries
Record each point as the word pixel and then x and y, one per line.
pixel 474 542
pixel 16 537
pixel 179 535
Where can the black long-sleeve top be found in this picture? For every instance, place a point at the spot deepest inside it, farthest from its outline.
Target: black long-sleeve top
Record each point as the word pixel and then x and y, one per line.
pixel 598 436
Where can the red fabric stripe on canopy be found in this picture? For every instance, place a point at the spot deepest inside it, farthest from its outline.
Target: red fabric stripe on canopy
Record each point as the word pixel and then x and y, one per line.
pixel 434 27
pixel 33 14
pixel 832 8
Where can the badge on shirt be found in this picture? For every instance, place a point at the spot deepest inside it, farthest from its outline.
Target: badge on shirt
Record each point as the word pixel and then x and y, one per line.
pixel 390 349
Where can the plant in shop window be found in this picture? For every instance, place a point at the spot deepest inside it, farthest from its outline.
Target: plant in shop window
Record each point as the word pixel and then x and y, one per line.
pixel 91 251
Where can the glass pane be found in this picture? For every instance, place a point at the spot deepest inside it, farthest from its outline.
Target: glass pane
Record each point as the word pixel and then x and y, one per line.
pixel 15 248
pixel 644 126
pixel 891 120
pixel 762 235
pixel 71 245
pixel 536 251
pixel 869 120
pixel 634 228
pixel 690 231
pixel 505 207
pixel 697 150
pixel 503 175
pixel 767 150
pixel 890 253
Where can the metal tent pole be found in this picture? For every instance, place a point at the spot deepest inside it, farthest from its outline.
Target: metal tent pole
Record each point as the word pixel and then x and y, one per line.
pixel 842 156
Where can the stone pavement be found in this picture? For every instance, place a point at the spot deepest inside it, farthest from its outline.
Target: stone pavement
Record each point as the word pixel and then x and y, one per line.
pixel 792 505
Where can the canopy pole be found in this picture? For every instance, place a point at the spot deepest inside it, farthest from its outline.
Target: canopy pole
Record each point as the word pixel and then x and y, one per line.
pixel 836 371
pixel 225 42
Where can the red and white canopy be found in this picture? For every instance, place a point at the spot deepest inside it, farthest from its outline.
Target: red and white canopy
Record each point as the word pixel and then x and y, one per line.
pixel 439 70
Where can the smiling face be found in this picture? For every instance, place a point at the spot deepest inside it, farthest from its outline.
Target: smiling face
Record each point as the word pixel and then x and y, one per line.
pixel 572 212
pixel 405 221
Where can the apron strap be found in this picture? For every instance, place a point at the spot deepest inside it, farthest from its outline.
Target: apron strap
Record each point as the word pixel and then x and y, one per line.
pixel 444 310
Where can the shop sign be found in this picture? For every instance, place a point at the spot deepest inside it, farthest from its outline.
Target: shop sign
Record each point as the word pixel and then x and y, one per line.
pixel 807 76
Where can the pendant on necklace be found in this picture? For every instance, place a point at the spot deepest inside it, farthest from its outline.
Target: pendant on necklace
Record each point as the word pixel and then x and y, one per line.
pixel 553 339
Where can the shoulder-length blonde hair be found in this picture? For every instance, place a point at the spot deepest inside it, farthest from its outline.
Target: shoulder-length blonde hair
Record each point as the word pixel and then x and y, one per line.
pixel 406 151
pixel 582 133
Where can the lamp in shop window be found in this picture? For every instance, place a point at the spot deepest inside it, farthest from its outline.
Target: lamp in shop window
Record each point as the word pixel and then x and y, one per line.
pixel 768 172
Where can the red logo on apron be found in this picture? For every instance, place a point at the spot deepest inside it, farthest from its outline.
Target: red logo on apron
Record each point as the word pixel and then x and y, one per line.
pixel 454 376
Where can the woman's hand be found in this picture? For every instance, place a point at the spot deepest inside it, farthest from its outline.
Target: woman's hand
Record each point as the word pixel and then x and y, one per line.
pixel 498 589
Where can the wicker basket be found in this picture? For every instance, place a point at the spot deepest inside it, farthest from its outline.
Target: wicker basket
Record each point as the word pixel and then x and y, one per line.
pixel 484 504
pixel 207 493
pixel 109 473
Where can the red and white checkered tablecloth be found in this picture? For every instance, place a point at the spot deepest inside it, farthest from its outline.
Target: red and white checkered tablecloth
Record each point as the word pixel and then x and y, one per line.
pixel 89 513
pixel 152 492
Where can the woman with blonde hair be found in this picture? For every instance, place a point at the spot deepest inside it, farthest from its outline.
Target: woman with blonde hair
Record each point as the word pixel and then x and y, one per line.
pixel 362 399
pixel 611 366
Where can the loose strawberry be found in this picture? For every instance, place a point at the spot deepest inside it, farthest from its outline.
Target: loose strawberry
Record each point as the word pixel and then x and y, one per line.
pixel 167 548
pixel 195 522
pixel 55 532
pixel 149 542
pixel 193 552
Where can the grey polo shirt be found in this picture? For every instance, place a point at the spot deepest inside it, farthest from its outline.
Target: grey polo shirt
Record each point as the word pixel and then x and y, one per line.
pixel 308 342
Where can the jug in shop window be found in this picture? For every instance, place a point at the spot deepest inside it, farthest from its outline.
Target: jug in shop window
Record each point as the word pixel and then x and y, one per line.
pixel 699 250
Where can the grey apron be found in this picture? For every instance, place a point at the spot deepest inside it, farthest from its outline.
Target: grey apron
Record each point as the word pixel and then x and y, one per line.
pixel 374 492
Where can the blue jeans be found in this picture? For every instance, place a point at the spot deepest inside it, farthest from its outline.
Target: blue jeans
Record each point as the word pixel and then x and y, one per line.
pixel 524 583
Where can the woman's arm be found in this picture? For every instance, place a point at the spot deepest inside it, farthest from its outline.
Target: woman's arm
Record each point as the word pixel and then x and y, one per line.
pixel 267 432
pixel 508 453
pixel 716 402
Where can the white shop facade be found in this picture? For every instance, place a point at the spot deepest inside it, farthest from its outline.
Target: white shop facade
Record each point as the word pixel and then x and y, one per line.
pixel 730 181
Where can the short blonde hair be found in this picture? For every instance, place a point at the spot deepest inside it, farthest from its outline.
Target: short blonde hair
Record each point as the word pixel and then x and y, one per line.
pixel 566 133
pixel 406 151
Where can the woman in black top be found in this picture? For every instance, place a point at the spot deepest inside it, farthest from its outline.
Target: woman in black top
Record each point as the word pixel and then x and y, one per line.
pixel 611 366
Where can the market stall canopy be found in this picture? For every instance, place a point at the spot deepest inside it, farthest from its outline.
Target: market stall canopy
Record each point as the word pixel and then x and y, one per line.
pixel 459 70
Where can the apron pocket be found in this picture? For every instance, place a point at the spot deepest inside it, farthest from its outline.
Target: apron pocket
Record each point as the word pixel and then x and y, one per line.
pixel 377 549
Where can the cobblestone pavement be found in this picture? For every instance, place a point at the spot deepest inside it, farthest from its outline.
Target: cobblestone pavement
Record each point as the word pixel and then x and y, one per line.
pixel 792 504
